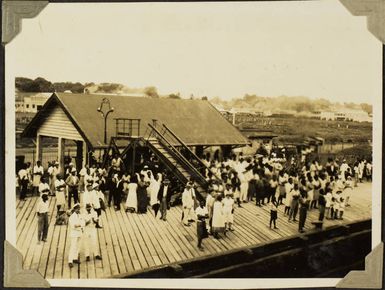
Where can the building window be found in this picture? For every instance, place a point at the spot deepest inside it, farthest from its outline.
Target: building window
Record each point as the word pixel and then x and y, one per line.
pixel 33 106
pixel 27 106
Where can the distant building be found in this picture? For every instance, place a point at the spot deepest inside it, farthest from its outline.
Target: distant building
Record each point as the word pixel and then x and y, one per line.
pixel 30 102
pixel 343 115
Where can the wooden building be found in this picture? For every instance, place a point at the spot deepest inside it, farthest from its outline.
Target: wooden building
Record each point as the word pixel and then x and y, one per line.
pixel 168 127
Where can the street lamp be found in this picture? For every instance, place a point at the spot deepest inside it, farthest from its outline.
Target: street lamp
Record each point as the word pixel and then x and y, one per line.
pixel 105 109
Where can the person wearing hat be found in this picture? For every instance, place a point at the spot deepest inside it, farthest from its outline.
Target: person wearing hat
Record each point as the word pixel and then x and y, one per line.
pixel 42 215
pixel 72 182
pixel 202 214
pixel 188 204
pixel 87 194
pixel 76 226
pixel 116 191
pixel 60 187
pixel 164 197
pixel 90 236
pixel 96 197
pixel 210 199
pixel 38 172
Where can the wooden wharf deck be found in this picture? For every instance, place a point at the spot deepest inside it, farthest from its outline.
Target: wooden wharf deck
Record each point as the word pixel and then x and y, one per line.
pixel 130 242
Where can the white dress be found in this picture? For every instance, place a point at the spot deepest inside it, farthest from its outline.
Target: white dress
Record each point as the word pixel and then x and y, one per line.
pixel 218 222
pixel 60 194
pixel 36 177
pixel 228 204
pixel 132 198
pixel 154 189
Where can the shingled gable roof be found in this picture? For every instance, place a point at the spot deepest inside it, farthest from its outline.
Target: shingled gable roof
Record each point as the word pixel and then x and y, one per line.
pixel 196 122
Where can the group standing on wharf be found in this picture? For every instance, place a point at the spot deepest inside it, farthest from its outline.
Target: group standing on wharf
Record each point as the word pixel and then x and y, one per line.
pixel 266 180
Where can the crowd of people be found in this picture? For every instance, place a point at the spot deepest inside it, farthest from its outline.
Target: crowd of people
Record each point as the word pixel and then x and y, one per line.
pixel 267 181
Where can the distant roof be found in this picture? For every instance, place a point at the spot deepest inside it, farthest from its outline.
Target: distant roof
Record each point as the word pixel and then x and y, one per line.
pixel 21 95
pixel 257 134
pixel 196 122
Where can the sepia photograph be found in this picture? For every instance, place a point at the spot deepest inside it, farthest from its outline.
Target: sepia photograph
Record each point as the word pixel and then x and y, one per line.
pixel 193 140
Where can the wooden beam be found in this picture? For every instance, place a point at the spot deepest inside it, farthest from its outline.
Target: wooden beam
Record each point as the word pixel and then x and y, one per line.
pixel 38 147
pixel 60 152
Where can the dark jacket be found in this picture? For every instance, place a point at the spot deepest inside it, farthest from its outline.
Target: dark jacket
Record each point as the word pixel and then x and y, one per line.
pixel 169 193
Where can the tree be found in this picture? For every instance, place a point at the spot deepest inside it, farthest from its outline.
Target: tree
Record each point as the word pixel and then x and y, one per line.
pixel 151 92
pixel 367 108
pixel 205 98
pixel 174 96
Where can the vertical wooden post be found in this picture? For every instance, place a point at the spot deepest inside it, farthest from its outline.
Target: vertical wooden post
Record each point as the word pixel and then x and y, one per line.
pixel 61 153
pixel 133 158
pixel 38 148
pixel 85 154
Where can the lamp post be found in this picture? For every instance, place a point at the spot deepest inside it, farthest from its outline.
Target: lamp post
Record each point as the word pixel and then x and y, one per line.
pixel 105 109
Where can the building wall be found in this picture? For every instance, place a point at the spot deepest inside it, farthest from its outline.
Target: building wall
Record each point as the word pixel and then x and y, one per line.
pixel 58 124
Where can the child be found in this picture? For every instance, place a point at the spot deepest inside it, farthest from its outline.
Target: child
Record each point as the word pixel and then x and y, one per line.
pixel 341 207
pixel 336 206
pixel 273 213
pixel 228 212
pixel 328 203
pixel 202 214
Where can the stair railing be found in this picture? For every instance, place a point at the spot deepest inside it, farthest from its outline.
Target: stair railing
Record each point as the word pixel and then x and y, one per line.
pixel 202 165
pixel 196 173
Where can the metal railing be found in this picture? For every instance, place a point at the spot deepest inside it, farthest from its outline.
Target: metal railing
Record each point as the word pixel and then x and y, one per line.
pixel 176 154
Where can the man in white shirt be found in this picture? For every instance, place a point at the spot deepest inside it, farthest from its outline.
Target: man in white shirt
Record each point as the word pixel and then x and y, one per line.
pixel 72 182
pixel 90 237
pixel 188 204
pixel 38 172
pixel 76 226
pixel 23 181
pixel 43 187
pixel 42 215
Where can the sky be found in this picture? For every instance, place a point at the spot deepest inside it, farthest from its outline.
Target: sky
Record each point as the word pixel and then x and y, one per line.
pixel 306 48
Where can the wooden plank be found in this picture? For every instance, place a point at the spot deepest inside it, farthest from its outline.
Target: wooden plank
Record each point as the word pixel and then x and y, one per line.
pixel 157 239
pixel 52 254
pixel 103 265
pixel 131 255
pixel 66 268
pixel 30 234
pixel 187 240
pixel 21 227
pixel 146 253
pixel 21 208
pixel 171 243
pixel 145 236
pixel 60 251
pixel 42 266
pixel 138 249
pixel 110 243
pixel 38 253
pixel 122 253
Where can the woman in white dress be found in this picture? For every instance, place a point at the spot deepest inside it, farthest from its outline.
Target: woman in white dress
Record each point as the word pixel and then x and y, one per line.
pixel 60 187
pixel 126 180
pixel 228 212
pixel 154 189
pixel 218 223
pixel 132 199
